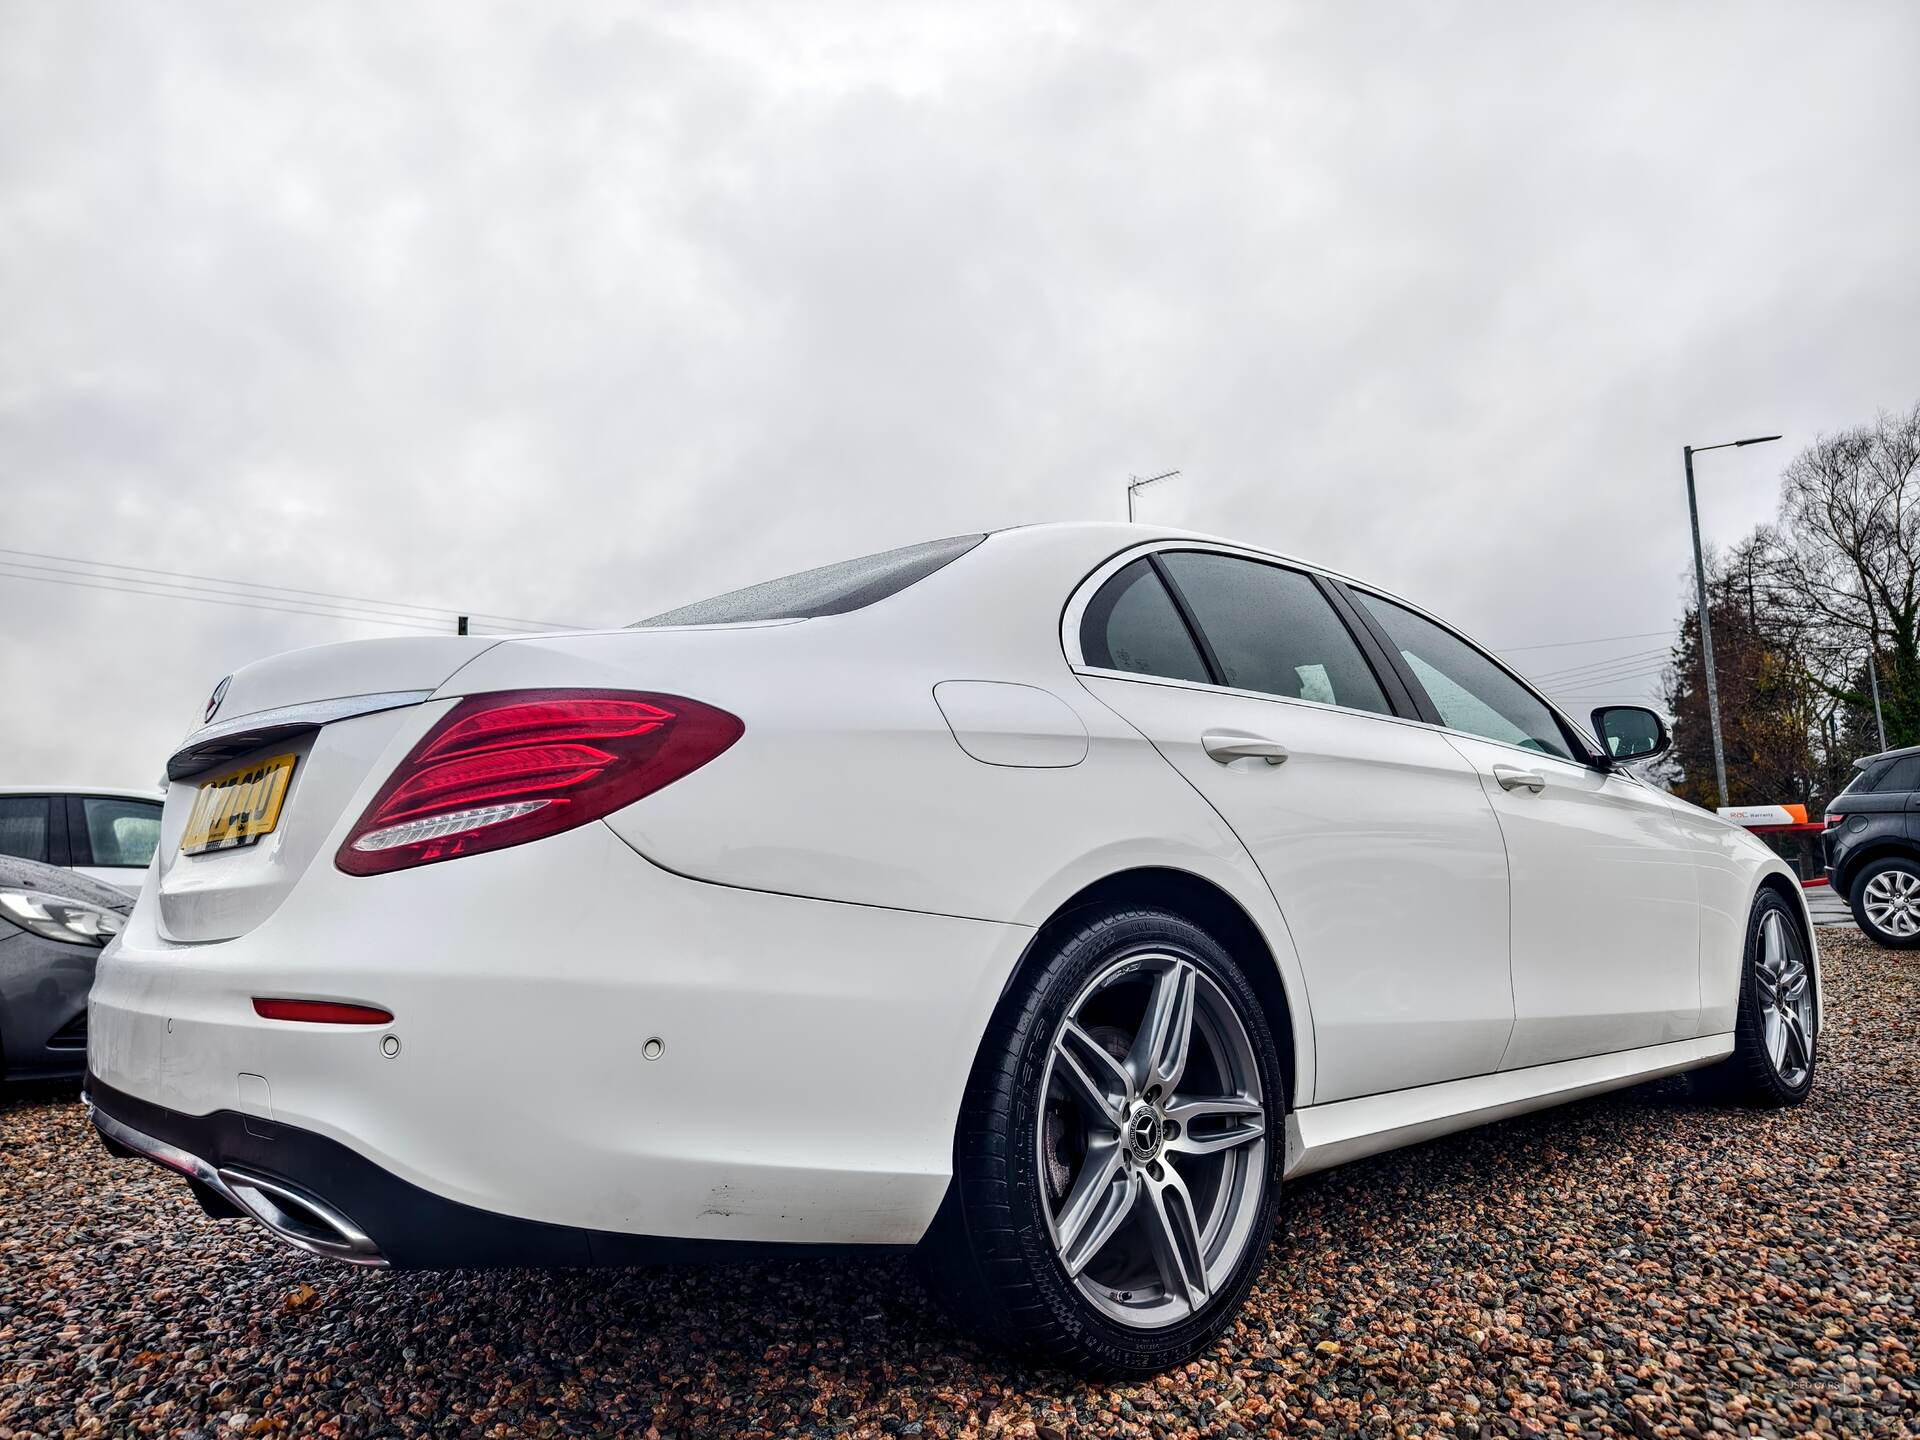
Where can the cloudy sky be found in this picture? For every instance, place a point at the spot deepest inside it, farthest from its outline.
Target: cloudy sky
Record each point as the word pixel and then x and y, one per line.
pixel 579 312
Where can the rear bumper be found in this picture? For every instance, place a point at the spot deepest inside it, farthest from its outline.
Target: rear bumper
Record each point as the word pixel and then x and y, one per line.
pixel 317 1195
pixel 814 1056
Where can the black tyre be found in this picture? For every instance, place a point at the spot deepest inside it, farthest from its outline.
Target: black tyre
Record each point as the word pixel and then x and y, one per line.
pixel 1886 902
pixel 1776 1036
pixel 1119 1152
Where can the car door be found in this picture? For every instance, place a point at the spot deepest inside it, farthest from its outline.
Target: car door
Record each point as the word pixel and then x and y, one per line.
pixel 1374 834
pixel 1605 918
pixel 112 837
pixel 33 827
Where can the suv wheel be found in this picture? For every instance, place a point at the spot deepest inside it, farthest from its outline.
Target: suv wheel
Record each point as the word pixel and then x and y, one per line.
pixel 1119 1151
pixel 1886 902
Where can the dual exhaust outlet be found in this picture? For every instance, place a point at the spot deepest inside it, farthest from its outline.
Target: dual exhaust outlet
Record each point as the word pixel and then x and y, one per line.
pixel 294 1216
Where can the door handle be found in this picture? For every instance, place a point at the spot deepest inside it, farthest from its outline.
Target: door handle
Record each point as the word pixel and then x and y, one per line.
pixel 1512 777
pixel 1227 746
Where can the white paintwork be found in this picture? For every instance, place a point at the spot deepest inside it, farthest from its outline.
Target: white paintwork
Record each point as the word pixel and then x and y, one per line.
pixel 121 877
pixel 1020 725
pixel 1368 833
pixel 1322 1136
pixel 1606 916
pixel 820 922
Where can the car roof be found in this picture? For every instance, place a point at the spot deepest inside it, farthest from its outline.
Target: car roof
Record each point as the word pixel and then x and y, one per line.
pixel 111 792
pixel 1865 760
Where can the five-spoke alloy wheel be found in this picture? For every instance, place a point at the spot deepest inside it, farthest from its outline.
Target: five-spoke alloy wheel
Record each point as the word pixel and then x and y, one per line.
pixel 1776 1033
pixel 1119 1153
pixel 1152 1141
pixel 1783 981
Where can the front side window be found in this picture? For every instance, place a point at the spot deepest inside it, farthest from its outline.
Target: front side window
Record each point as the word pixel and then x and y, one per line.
pixel 1132 625
pixel 1271 630
pixel 23 827
pixel 122 832
pixel 1471 693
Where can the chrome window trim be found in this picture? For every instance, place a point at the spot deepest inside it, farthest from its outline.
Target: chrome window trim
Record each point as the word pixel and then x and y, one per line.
pixel 208 742
pixel 1082 596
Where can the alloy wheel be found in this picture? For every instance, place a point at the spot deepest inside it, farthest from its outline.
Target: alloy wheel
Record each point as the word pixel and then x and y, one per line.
pixel 1892 901
pixel 1785 978
pixel 1152 1140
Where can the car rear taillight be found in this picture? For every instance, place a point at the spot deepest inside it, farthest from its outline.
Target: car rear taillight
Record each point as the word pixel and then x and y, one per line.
pixel 507 768
pixel 1833 819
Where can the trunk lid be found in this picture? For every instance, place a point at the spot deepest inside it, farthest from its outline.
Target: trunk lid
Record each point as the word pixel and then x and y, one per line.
pixel 334 709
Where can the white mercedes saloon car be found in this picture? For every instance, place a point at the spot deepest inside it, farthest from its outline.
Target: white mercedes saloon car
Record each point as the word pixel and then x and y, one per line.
pixel 1044 899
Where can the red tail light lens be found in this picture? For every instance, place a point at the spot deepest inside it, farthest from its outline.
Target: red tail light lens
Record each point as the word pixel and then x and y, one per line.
pixel 321 1012
pixel 503 769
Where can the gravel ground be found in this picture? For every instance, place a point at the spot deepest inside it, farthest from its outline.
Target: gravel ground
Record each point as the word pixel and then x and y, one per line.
pixel 1640 1264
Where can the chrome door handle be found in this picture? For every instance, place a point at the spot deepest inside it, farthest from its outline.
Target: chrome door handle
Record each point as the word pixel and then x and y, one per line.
pixel 1512 777
pixel 1227 746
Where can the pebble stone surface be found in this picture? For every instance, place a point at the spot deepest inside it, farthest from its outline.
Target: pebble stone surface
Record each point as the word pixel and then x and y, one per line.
pixel 1640 1264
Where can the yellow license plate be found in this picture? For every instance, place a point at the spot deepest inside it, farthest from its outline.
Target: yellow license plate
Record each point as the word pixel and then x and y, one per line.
pixel 239 807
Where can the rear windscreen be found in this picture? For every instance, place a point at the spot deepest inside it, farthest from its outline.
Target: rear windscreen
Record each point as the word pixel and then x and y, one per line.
pixel 830 590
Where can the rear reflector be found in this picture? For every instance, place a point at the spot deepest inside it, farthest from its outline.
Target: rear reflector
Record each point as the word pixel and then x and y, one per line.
pixel 506 768
pixel 320 1012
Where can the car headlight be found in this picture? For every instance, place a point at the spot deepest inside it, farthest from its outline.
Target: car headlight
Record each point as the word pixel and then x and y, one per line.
pixel 58 918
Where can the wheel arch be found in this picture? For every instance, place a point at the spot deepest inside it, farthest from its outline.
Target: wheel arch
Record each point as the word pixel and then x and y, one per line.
pixel 1794 894
pixel 1851 867
pixel 1217 912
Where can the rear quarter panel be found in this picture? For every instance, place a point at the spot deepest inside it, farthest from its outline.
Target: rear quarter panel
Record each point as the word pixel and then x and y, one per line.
pixel 849 784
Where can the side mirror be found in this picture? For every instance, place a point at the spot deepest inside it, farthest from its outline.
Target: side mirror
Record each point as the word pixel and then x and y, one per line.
pixel 1631 732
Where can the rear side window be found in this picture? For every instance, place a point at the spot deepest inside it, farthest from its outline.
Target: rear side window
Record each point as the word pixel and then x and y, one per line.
pixel 121 832
pixel 830 590
pixel 1132 625
pixel 1897 776
pixel 23 827
pixel 1471 692
pixel 1271 630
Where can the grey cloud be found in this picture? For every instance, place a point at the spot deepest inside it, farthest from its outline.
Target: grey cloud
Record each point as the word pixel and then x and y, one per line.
pixel 583 313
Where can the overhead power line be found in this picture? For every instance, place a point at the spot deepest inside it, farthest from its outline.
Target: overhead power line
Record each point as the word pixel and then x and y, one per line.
pixel 1568 644
pixel 208 598
pixel 237 600
pixel 1633 657
pixel 276 592
pixel 1605 677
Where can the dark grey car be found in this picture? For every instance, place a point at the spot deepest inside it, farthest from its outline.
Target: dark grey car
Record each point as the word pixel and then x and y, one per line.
pixel 53 923
pixel 1873 846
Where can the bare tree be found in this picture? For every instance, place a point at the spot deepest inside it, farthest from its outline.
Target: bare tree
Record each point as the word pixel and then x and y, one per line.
pixel 1842 567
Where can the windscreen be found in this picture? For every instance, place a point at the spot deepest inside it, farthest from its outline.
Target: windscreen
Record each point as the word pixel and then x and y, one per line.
pixel 830 590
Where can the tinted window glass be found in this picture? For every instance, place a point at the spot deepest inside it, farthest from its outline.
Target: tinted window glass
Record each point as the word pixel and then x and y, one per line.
pixel 122 832
pixel 1132 625
pixel 1470 691
pixel 23 826
pixel 1898 776
pixel 1862 781
pixel 830 590
pixel 1272 630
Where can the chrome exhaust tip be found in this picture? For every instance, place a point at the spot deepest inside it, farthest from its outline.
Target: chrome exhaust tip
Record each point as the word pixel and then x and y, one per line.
pixel 303 1220
pixel 293 1215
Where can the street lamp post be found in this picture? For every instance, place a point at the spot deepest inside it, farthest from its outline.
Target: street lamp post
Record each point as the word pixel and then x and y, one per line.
pixel 1134 484
pixel 1700 590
